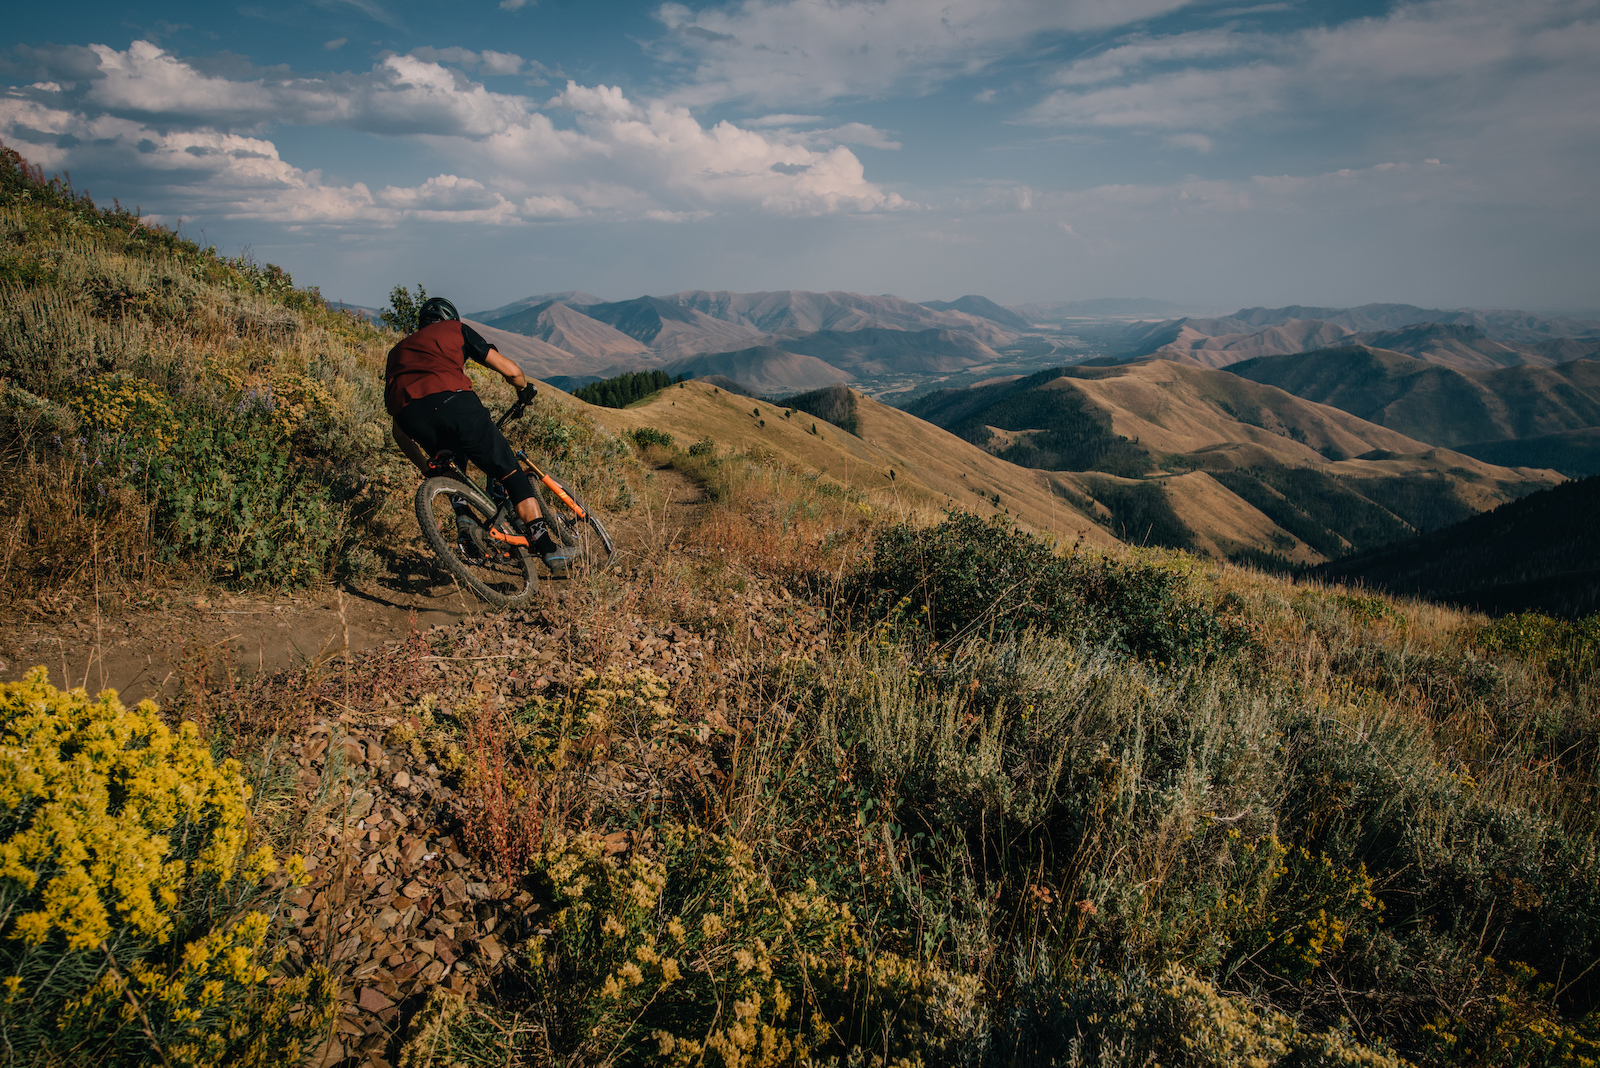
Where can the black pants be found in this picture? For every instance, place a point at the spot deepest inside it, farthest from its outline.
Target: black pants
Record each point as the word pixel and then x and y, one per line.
pixel 458 421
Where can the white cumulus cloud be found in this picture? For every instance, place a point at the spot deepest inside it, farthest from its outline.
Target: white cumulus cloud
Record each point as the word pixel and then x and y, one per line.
pixel 150 113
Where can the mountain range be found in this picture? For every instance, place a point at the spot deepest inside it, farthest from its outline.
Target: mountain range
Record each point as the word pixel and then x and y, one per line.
pixel 1465 339
pixel 862 338
pixel 832 337
pixel 1332 429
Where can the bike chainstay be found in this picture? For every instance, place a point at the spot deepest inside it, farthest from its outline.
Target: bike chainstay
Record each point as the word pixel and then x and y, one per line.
pixel 506 542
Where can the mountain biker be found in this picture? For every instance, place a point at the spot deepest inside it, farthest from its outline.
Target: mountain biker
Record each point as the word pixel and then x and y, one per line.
pixel 433 405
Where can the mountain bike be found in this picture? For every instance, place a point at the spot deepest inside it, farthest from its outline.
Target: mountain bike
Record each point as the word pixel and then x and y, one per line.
pixel 469 527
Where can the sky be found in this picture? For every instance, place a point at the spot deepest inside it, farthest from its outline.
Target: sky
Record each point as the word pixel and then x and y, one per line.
pixel 1215 153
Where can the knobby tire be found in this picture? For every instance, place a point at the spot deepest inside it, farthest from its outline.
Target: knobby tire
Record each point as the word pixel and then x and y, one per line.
pixel 506 576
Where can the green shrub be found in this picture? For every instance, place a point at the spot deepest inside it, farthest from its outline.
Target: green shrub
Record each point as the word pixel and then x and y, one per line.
pixel 404 307
pixel 1568 650
pixel 229 494
pixel 704 447
pixel 645 436
pixel 971 576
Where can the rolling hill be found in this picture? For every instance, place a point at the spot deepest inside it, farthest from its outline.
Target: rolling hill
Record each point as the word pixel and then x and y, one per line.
pixel 1467 347
pixel 1327 481
pixel 613 336
pixel 1190 344
pixel 876 351
pixel 539 358
pixel 1500 325
pixel 795 312
pixel 1440 405
pixel 932 468
pixel 762 369
pixel 983 308
pixel 566 328
pixel 671 329
pixel 1466 338
pixel 573 297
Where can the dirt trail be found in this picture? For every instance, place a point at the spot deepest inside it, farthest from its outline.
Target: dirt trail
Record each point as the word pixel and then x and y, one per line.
pixel 147 648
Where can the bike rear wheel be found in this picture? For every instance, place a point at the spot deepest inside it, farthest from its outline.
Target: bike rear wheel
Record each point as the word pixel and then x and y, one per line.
pixel 587 534
pixel 499 573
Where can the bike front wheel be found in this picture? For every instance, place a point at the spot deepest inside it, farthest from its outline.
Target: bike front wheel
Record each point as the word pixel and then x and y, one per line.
pixel 499 572
pixel 584 532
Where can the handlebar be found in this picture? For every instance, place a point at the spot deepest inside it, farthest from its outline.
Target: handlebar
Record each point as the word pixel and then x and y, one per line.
pixel 515 410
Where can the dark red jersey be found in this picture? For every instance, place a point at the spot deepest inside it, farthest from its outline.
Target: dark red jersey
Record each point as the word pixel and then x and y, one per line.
pixel 432 360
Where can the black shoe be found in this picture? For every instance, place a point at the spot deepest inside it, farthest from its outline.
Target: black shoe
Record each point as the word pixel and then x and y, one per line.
pixel 469 536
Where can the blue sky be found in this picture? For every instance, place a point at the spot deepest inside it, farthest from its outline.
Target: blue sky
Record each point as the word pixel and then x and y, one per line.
pixel 1220 154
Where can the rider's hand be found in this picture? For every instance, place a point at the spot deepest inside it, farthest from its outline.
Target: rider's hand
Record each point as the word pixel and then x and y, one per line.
pixel 527 393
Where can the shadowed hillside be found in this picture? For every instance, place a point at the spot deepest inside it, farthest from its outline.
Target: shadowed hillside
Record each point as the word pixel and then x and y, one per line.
pixel 1541 553
pixel 1575 453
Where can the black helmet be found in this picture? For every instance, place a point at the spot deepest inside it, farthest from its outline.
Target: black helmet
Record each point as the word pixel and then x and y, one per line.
pixel 436 310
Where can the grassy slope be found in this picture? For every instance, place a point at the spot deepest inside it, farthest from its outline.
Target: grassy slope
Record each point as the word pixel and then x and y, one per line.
pixel 197 416
pixel 933 469
pixel 1188 417
pixel 1440 405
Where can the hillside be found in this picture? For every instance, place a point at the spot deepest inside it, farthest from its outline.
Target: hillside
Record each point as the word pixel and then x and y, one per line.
pixel 865 335
pixel 1540 553
pixel 1329 482
pixel 540 358
pixel 793 311
pixel 1466 338
pixel 1499 325
pixel 762 369
pixel 1440 405
pixel 983 308
pixel 559 324
pixel 1575 453
pixel 573 297
pixel 932 469
pixel 1467 347
pixel 1187 343
pixel 671 329
pixel 877 350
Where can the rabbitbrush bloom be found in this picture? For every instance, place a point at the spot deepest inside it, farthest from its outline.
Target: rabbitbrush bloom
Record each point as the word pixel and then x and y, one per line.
pixel 93 797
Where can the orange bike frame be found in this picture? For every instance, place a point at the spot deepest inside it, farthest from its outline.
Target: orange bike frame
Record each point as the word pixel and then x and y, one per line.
pixel 555 487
